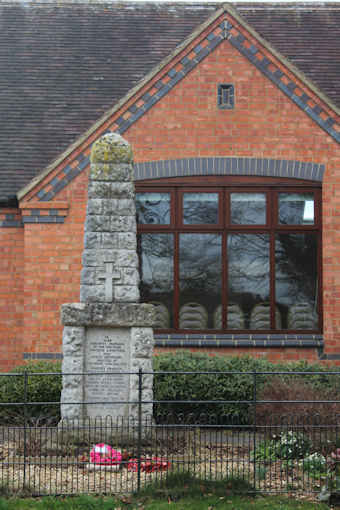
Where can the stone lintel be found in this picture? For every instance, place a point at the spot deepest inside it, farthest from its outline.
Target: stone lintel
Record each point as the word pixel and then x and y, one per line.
pixel 108 314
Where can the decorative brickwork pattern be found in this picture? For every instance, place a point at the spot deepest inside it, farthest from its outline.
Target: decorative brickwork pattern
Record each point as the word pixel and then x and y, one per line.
pixel 198 166
pixel 10 220
pixel 52 216
pixel 59 182
pixel 224 31
pixel 288 87
pixel 241 340
pixel 42 355
pixel 229 166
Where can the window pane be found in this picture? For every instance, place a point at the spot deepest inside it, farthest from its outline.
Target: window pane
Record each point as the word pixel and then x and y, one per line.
pixel 248 281
pixel 296 208
pixel 200 208
pixel 153 208
pixel 296 280
pixel 199 279
pixel 248 208
pixel 156 252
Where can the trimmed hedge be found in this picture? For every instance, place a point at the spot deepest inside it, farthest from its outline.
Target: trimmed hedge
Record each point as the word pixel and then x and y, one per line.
pixel 40 388
pixel 209 386
pixel 236 387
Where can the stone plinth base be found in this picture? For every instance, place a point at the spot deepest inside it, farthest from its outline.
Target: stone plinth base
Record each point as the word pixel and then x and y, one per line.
pixel 104 347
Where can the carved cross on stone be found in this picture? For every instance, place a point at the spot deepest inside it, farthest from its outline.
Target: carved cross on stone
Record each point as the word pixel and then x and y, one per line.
pixel 109 276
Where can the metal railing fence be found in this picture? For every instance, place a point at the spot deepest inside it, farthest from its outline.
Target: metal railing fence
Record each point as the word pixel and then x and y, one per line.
pixel 213 439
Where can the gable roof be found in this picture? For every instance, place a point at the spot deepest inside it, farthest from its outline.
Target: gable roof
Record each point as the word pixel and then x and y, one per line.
pixel 63 66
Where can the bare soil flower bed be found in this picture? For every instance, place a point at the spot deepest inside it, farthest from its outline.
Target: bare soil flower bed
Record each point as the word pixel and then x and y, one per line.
pixel 44 464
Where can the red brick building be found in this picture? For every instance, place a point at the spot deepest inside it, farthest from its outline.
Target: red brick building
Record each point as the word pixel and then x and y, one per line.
pixel 233 116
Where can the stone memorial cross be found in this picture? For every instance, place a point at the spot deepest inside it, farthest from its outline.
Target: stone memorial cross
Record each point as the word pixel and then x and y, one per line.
pixel 109 333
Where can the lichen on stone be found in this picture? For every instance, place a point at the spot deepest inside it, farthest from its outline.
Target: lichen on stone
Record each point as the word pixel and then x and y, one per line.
pixel 111 148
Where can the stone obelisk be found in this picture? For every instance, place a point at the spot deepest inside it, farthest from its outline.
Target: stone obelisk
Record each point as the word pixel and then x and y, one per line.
pixel 109 332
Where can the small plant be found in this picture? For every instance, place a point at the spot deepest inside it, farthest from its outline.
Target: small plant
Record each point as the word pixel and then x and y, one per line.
pixel 266 451
pixel 315 465
pixel 286 446
pixel 293 445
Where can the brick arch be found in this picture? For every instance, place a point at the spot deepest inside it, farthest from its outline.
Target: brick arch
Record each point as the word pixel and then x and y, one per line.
pixel 229 166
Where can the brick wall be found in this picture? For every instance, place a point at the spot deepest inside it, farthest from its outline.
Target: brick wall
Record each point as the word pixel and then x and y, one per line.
pixel 11 288
pixel 186 122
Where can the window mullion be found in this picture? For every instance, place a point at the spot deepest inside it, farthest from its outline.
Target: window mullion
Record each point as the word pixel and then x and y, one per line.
pixel 224 281
pixel 272 221
pixel 176 261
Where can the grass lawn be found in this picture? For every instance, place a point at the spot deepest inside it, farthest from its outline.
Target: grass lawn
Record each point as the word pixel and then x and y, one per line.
pixel 181 491
pixel 207 502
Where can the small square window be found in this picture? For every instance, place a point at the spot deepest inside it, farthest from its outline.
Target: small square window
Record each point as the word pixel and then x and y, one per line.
pixel 225 96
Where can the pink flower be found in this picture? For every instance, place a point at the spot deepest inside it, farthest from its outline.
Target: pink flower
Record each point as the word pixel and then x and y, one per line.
pixel 104 454
pixel 336 454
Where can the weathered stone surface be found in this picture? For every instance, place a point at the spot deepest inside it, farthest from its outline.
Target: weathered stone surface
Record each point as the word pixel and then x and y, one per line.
pixel 118 206
pixel 72 368
pixel 109 331
pixel 92 293
pixel 98 223
pixel 121 258
pixel 112 172
pixel 126 293
pixel 106 223
pixel 108 314
pixel 106 189
pixel 93 239
pixel 123 224
pixel 110 240
pixel 110 148
pixel 143 342
pixel 129 276
pixel 127 241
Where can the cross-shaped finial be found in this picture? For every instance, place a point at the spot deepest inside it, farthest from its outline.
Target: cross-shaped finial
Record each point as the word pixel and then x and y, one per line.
pixel 109 276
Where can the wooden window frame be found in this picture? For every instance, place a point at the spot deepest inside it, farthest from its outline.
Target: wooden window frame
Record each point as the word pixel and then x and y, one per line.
pixel 224 186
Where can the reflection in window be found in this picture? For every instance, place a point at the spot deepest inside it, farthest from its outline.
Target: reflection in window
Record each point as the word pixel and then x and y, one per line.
pixel 200 208
pixel 248 208
pixel 156 253
pixel 223 256
pixel 199 279
pixel 248 277
pixel 296 279
pixel 153 208
pixel 296 208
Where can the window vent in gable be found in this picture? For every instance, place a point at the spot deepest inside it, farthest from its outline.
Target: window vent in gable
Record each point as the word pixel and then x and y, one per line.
pixel 225 96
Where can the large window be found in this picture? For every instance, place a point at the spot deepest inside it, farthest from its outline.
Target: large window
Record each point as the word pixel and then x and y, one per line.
pixel 227 255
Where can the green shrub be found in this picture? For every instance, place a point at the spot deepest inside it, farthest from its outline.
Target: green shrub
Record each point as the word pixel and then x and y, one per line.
pixel 219 386
pixel 40 388
pixel 211 386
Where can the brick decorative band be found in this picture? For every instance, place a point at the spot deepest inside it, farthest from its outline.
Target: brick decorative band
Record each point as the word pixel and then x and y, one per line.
pixel 52 216
pixel 10 220
pixel 42 355
pixel 229 166
pixel 241 340
pixel 224 31
pixel 59 182
pixel 199 166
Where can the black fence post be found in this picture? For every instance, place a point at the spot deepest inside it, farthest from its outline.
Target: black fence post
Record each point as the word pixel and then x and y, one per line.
pixel 139 444
pixel 25 424
pixel 254 423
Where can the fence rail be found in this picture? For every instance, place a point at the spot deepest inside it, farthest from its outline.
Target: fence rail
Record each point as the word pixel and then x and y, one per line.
pixel 214 439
